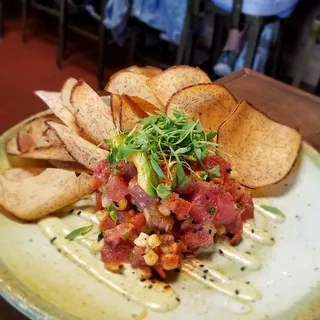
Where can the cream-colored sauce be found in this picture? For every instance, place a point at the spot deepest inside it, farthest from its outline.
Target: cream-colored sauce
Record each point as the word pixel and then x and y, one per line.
pixel 256 234
pixel 237 256
pixel 155 296
pixel 277 218
pixel 220 282
pixel 158 298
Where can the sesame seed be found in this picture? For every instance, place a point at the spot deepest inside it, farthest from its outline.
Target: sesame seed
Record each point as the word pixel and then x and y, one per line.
pixel 166 286
pixel 70 211
pixel 150 286
pixel 204 277
pixel 201 265
pixel 194 231
pixel 200 228
pixel 272 239
pixel 53 239
pixel 78 213
pixel 237 292
pixel 220 251
pixel 210 231
pixel 248 282
pixel 142 280
pixel 205 271
pixel 178 299
pixel 252 230
pixel 243 268
pixel 247 252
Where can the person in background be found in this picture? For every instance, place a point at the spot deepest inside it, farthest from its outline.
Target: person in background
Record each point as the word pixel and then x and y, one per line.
pixel 233 54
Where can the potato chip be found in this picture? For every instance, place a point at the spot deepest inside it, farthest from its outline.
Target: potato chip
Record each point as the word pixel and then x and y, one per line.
pixel 260 150
pixel 92 115
pixel 71 166
pixel 53 101
pixel 146 106
pixel 65 95
pixel 173 79
pixel 132 84
pixel 34 197
pixel 199 101
pixel 16 174
pixel 148 71
pixel 130 114
pixel 115 103
pixel 49 153
pixel 81 150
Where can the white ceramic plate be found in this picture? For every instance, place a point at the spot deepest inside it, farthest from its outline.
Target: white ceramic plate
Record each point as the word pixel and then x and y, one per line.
pixel 43 284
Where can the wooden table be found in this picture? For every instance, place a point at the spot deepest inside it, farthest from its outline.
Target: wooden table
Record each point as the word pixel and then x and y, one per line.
pixel 279 101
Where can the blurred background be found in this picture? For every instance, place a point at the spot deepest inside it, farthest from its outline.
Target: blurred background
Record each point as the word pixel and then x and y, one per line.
pixel 45 41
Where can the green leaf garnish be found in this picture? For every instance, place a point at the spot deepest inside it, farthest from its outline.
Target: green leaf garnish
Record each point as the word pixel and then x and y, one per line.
pixel 79 232
pixel 166 140
pixel 112 212
pixel 215 172
pixel 272 209
pixel 163 191
pixel 100 236
pixel 156 168
pixel 211 210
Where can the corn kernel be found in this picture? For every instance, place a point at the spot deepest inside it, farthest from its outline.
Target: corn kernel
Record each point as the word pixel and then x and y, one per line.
pixel 97 246
pixel 142 240
pixel 165 211
pixel 122 204
pixel 154 241
pixel 151 258
pixel 114 267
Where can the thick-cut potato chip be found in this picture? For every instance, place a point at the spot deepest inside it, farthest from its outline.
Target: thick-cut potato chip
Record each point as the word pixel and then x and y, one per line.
pixel 146 106
pixel 130 114
pixel 81 150
pixel 49 153
pixel 115 104
pixel 175 78
pixel 17 174
pixel 71 166
pixel 92 115
pixel 132 84
pixel 12 146
pixel 66 90
pixel 53 101
pixel 260 150
pixel 148 71
pixel 199 101
pixel 34 197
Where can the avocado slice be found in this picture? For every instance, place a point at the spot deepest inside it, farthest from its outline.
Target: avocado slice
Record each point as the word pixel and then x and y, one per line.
pixel 147 178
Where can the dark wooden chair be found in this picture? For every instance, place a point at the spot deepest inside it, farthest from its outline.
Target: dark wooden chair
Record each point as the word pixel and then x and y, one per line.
pixel 64 25
pixel 255 24
pixel 313 38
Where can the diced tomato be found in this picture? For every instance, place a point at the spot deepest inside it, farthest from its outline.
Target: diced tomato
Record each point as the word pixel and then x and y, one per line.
pixel 139 221
pixel 198 236
pixel 107 223
pixel 137 257
pixel 235 226
pixel 102 171
pixel 118 254
pixel 98 201
pixel 117 188
pixel 178 206
pixel 212 160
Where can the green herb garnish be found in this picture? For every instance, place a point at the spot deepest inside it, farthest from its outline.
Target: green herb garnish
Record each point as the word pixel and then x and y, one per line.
pixel 163 191
pixel 211 210
pixel 272 210
pixel 100 236
pixel 79 232
pixel 112 212
pixel 167 140
pixel 215 172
